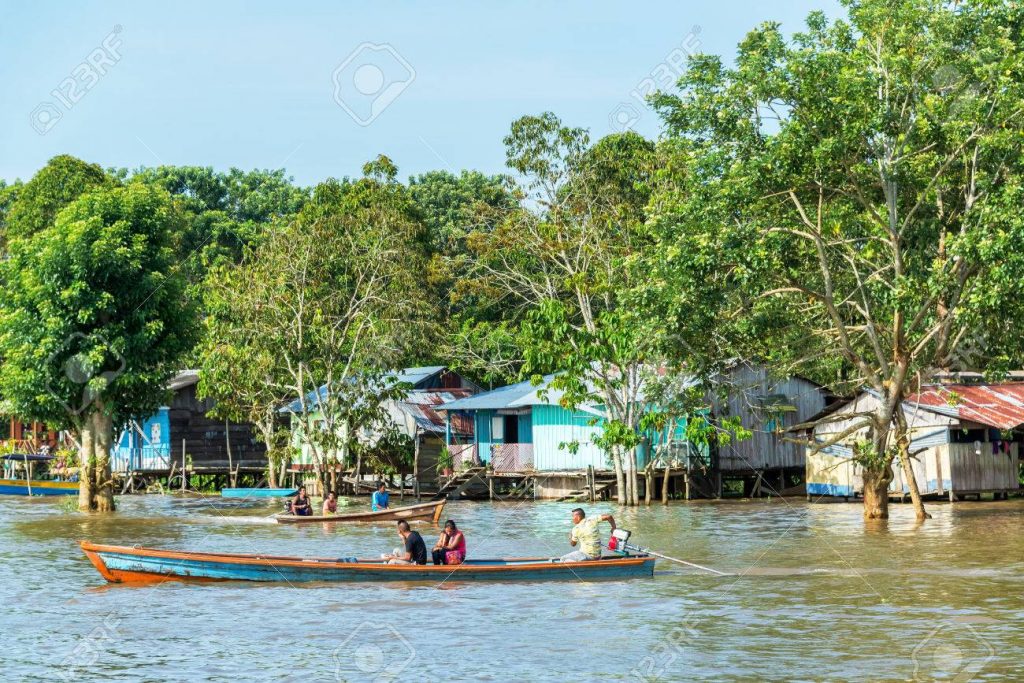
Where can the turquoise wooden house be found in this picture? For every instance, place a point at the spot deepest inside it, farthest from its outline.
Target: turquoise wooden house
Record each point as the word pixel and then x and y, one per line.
pixel 522 428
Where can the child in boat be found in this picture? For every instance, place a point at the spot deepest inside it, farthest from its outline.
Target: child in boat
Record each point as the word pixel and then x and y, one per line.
pixel 451 545
pixel 330 504
pixel 301 505
pixel 380 498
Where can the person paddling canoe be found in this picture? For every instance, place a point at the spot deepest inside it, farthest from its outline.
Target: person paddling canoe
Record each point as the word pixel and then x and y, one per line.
pixel 301 504
pixel 380 498
pixel 586 534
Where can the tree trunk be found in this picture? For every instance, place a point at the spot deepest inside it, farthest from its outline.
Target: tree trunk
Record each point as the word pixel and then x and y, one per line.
pixel 620 478
pixel 87 458
pixel 648 482
pixel 634 481
pixel 103 484
pixel 664 484
pixel 903 449
pixel 876 492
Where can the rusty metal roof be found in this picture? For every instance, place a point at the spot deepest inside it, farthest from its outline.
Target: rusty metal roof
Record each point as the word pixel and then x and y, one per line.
pixel 421 406
pixel 994 405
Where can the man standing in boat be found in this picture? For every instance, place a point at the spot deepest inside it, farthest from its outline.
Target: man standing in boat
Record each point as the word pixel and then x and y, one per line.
pixel 380 498
pixel 415 549
pixel 586 534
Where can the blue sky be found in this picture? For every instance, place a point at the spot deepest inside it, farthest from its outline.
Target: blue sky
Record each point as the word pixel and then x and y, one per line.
pixel 253 85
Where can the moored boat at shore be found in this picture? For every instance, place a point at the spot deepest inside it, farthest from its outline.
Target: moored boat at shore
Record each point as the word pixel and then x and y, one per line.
pixel 124 564
pixel 30 486
pixel 431 511
pixel 257 493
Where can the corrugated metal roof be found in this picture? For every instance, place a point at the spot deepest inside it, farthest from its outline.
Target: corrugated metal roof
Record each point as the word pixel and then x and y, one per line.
pixel 185 378
pixel 995 405
pixel 422 405
pixel 413 376
pixel 511 396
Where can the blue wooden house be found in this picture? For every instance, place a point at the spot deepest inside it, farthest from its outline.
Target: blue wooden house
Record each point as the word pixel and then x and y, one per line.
pixel 522 428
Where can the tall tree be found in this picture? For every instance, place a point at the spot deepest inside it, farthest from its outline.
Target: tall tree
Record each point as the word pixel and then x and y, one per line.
pixel 323 307
pixel 93 321
pixel 223 212
pixel 857 188
pixel 557 268
pixel 54 186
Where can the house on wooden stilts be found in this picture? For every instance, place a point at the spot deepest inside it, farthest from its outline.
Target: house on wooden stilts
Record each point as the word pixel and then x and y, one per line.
pixel 965 441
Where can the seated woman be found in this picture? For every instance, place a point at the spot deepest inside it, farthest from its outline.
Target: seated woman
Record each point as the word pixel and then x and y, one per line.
pixel 451 545
pixel 301 504
pixel 330 504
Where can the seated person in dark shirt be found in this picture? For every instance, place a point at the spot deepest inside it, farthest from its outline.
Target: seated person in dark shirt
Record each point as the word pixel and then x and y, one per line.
pixel 415 549
pixel 301 504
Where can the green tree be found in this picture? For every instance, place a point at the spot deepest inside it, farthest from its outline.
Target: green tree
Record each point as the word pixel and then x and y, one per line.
pixel 37 203
pixel 856 189
pixel 332 300
pixel 94 321
pixel 557 268
pixel 223 212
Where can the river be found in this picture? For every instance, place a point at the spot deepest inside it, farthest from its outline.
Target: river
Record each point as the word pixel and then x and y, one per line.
pixel 818 597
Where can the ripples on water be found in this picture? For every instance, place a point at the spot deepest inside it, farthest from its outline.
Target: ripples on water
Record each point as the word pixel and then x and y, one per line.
pixel 817 597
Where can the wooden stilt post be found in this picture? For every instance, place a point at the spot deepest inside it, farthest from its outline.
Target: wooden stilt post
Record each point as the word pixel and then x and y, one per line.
pixel 183 469
pixel 490 487
pixel 416 463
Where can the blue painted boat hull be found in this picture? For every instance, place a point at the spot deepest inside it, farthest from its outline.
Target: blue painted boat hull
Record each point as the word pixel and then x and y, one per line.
pixel 121 564
pixel 257 493
pixel 17 487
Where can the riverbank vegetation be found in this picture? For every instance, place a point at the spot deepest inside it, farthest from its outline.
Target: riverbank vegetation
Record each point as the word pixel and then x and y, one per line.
pixel 841 203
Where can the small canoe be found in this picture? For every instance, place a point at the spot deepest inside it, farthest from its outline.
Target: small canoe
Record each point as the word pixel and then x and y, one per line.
pixel 431 511
pixel 20 487
pixel 124 564
pixel 257 493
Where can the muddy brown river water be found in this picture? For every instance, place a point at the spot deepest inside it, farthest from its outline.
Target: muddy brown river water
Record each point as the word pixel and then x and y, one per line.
pixel 817 597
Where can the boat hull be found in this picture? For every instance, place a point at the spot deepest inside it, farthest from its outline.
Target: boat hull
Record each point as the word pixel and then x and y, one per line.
pixel 17 487
pixel 431 511
pixel 123 564
pixel 257 493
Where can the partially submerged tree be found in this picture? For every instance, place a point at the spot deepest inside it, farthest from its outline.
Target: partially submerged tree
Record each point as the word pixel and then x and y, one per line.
pixel 858 188
pixel 93 321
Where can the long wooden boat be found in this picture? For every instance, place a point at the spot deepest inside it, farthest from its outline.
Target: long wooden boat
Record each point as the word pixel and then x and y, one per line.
pixel 431 511
pixel 21 487
pixel 257 493
pixel 124 564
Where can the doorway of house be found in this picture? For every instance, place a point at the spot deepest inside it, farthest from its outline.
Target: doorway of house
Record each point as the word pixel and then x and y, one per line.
pixel 511 429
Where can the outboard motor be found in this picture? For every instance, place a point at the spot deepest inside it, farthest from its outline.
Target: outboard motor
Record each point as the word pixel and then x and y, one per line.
pixel 618 540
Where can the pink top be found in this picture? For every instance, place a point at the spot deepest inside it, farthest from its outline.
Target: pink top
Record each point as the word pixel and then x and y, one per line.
pixel 461 547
